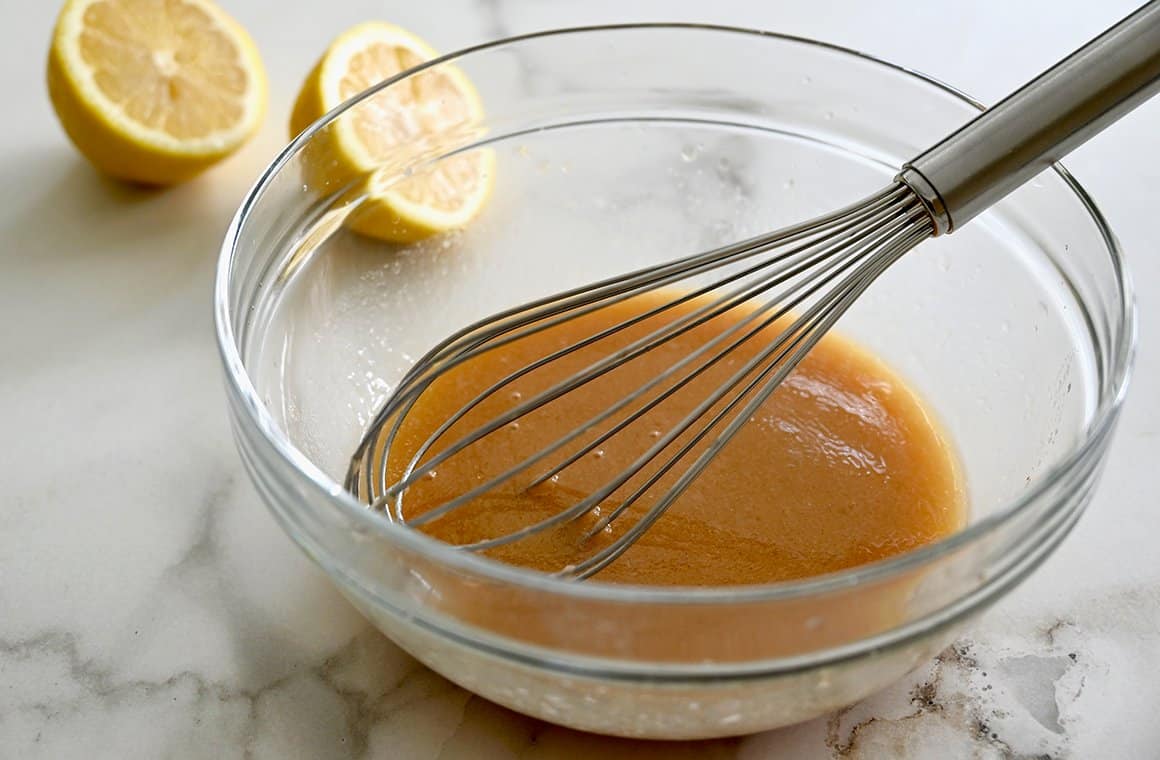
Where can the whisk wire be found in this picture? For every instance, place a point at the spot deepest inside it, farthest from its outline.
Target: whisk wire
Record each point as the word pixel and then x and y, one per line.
pixel 645 278
pixel 580 301
pixel 595 370
pixel 851 246
pixel 783 308
pixel 630 352
pixel 826 319
pixel 779 349
pixel 681 326
pixel 793 335
pixel 463 344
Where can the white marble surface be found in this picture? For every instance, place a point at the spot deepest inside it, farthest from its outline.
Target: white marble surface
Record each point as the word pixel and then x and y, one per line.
pixel 149 606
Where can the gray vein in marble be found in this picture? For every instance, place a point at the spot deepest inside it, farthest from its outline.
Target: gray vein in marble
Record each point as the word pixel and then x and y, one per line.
pixel 202 552
pixel 94 680
pixel 201 573
pixel 343 674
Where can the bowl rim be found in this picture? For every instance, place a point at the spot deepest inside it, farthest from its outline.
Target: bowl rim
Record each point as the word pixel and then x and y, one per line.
pixel 257 415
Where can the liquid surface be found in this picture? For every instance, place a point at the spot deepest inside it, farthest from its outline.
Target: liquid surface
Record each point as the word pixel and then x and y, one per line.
pixel 841 466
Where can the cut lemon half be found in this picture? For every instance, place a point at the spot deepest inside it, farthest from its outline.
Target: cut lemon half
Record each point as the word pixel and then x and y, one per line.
pixel 430 114
pixel 152 91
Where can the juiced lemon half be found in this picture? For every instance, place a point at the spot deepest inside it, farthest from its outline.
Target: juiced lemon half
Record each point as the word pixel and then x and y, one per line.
pixel 152 91
pixel 429 114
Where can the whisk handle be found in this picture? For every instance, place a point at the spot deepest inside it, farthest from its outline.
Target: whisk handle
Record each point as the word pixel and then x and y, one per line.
pixel 1040 123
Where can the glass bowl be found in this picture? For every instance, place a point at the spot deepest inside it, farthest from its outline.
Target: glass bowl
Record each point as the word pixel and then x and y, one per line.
pixel 617 147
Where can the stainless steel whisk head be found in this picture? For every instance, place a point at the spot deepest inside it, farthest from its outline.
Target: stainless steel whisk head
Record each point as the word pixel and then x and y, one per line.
pixel 800 279
pixel 810 273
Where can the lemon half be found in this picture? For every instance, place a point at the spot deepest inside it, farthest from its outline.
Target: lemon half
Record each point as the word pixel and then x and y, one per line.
pixel 154 92
pixel 433 111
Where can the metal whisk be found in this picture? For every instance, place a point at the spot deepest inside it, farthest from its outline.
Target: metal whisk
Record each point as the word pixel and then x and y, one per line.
pixel 805 277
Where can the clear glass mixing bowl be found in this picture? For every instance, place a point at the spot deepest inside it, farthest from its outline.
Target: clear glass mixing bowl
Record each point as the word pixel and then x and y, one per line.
pixel 618 147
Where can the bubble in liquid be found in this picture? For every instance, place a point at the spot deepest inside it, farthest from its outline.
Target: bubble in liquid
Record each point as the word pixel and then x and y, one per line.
pixel 599 453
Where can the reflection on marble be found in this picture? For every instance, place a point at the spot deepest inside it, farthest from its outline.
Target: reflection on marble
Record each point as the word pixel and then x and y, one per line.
pixel 150 607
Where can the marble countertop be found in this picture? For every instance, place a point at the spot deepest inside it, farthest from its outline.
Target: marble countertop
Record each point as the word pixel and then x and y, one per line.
pixel 150 607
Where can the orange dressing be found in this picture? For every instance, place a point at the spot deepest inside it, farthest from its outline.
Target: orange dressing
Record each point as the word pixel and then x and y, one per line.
pixel 841 466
